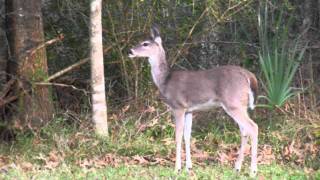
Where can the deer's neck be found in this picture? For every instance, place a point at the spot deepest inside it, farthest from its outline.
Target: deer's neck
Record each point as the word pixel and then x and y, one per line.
pixel 159 69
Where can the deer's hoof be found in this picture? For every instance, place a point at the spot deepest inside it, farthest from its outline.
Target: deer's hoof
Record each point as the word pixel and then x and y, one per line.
pixel 237 170
pixel 253 173
pixel 190 172
pixel 178 171
pixel 238 166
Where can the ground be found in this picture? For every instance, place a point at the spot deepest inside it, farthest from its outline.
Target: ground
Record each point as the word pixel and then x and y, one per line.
pixel 68 149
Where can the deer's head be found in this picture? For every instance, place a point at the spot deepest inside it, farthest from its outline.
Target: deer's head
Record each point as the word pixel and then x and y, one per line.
pixel 148 48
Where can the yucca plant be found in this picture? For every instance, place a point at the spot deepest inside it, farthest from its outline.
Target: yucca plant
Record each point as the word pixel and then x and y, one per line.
pixel 279 58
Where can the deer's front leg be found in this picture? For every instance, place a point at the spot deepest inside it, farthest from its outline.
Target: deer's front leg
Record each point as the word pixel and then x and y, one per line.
pixel 187 137
pixel 179 117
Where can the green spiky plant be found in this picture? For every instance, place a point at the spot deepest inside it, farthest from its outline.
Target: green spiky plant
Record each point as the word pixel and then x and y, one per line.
pixel 279 58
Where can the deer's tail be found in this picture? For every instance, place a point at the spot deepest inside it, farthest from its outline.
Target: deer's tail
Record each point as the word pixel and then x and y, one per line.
pixel 253 90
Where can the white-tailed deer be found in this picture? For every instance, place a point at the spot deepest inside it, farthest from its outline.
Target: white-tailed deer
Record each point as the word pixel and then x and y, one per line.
pixel 230 87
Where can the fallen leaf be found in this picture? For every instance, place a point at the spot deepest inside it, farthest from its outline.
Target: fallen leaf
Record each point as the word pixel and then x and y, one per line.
pixel 3 161
pixel 125 109
pixel 265 155
pixel 53 160
pixel 261 177
pixel 26 166
pixel 167 141
pixel 160 161
pixel 102 161
pixel 140 160
pixel 150 109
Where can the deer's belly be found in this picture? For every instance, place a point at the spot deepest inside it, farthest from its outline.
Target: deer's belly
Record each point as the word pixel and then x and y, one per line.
pixel 204 106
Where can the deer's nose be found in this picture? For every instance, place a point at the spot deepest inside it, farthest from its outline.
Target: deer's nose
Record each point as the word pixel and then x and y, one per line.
pixel 130 52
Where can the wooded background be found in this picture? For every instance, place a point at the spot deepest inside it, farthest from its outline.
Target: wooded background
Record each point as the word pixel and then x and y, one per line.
pixel 45 89
pixel 196 35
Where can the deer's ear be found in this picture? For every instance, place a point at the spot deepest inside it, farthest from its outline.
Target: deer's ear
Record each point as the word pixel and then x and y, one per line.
pixel 158 40
pixel 154 31
pixel 155 34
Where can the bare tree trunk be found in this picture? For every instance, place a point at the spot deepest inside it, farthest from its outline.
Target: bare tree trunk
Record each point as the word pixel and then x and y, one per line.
pixel 99 106
pixel 25 31
pixel 318 10
pixel 3 46
pixel 308 13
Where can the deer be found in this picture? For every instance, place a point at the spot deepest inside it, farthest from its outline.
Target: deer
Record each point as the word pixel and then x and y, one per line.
pixel 231 87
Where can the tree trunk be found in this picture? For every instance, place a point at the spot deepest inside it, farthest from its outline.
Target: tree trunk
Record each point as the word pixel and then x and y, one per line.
pixel 99 106
pixel 25 29
pixel 307 15
pixel 3 46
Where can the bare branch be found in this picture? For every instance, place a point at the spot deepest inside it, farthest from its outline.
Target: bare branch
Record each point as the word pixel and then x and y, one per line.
pixel 73 66
pixel 7 88
pixel 7 100
pixel 189 35
pixel 47 43
pixel 224 16
pixel 67 69
pixel 61 85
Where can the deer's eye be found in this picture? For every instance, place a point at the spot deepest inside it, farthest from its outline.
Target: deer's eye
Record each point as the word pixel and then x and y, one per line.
pixel 145 44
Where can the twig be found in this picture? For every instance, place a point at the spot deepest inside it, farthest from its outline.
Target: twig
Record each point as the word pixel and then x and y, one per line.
pixel 23 92
pixel 7 88
pixel 8 100
pixel 189 35
pixel 72 67
pixel 35 49
pixel 61 85
pixel 222 17
pixel 67 69
pixel 12 98
pixel 224 42
pixel 159 115
pixel 12 81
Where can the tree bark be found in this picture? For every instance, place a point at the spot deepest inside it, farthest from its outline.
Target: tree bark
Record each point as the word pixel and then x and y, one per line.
pixel 25 29
pixel 3 46
pixel 99 106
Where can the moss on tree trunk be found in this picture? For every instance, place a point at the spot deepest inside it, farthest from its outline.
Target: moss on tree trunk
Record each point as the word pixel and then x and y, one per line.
pixel 27 64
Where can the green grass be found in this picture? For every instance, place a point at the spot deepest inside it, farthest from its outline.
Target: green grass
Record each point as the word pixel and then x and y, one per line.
pixel 30 155
pixel 158 172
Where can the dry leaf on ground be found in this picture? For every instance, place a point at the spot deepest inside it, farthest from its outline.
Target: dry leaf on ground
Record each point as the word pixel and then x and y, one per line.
pixel 265 155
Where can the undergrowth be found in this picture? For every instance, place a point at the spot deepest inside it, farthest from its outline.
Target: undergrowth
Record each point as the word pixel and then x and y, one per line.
pixel 145 150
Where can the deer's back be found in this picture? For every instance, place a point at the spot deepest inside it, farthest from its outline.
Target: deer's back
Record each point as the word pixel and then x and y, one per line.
pixel 212 87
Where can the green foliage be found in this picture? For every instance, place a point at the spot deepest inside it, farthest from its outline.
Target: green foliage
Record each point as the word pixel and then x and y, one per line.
pixel 279 58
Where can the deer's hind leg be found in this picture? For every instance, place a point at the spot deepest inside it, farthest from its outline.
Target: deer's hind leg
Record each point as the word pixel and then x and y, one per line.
pixel 248 128
pixel 244 140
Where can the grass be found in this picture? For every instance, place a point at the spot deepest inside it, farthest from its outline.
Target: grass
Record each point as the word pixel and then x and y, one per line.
pixel 70 150
pixel 157 172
